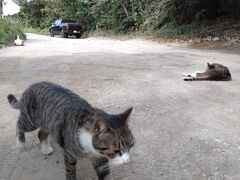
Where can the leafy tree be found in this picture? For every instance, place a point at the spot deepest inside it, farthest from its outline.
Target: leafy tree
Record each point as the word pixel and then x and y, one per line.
pixel 125 15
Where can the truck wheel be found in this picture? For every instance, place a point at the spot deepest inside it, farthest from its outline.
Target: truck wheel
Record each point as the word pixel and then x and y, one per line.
pixel 78 36
pixel 51 33
pixel 63 34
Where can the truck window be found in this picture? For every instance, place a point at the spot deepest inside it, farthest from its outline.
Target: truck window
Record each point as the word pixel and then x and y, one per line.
pixel 68 21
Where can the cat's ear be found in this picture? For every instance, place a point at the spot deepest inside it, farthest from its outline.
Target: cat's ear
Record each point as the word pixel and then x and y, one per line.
pixel 209 65
pixel 125 115
pixel 100 126
pixel 84 113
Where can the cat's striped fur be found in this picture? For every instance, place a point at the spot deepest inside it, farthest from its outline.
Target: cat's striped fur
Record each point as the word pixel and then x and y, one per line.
pixel 76 126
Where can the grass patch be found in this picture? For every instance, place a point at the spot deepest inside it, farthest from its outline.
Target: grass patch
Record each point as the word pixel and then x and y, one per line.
pixel 184 32
pixel 40 31
pixel 170 31
pixel 196 32
pixel 9 32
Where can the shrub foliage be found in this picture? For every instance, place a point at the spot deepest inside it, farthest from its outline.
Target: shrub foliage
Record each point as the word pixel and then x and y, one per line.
pixel 123 16
pixel 9 31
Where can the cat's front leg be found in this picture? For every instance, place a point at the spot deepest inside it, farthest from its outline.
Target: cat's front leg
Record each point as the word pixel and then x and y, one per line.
pixel 70 166
pixel 101 166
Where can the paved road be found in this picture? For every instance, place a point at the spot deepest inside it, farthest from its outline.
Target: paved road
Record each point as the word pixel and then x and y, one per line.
pixel 184 130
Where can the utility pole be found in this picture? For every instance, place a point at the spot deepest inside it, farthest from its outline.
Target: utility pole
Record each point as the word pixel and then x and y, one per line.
pixel 1 9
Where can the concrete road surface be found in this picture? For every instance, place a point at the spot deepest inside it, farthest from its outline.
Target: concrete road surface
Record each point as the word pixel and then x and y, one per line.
pixel 183 130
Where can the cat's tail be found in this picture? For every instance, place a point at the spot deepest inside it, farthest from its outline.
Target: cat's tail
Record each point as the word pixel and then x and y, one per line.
pixel 13 101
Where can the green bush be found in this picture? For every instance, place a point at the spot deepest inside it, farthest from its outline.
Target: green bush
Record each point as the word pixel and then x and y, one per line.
pixel 161 18
pixel 9 32
pixel 174 31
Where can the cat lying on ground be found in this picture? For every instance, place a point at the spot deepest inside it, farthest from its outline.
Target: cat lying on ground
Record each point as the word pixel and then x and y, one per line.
pixel 214 72
pixel 76 126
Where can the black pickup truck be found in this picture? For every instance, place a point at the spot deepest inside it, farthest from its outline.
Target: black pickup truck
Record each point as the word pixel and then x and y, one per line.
pixel 65 28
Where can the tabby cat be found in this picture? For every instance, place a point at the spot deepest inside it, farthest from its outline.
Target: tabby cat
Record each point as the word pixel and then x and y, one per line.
pixel 76 126
pixel 214 72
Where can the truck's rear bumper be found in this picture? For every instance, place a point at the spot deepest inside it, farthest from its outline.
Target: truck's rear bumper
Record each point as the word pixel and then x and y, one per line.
pixel 71 32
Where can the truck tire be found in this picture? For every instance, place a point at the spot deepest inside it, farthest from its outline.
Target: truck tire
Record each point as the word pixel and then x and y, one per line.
pixel 78 36
pixel 51 33
pixel 63 34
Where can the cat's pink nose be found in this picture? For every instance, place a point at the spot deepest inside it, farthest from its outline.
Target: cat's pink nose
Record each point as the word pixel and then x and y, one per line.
pixel 125 158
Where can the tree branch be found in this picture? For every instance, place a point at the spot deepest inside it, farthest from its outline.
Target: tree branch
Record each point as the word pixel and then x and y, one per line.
pixel 124 8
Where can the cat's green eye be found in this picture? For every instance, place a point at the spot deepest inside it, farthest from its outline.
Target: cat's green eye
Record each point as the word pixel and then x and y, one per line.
pixel 111 155
pixel 101 149
pixel 117 151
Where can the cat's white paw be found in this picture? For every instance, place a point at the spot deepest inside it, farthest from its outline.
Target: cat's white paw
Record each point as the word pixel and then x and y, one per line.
pixel 47 151
pixel 19 144
pixel 186 75
pixel 188 78
pixel 194 75
pixel 46 148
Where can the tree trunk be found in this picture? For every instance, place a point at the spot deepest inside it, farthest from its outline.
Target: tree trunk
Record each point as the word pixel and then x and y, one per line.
pixel 236 11
pixel 147 7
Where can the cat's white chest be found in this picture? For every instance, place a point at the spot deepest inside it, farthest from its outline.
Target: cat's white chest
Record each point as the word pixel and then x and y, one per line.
pixel 85 139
